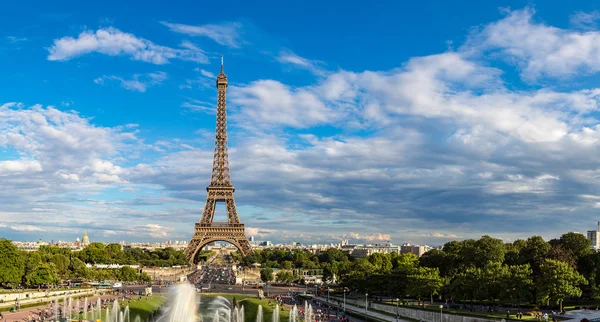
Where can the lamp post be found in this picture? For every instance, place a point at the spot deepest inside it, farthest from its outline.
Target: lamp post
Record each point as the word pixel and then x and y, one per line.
pixel 441 314
pixel 397 310
pixel 366 307
pixel 344 300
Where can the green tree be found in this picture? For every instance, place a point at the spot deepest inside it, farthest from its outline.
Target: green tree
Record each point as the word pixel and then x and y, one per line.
pixel 557 281
pixel 128 274
pixel 77 268
pixel 284 277
pixel 12 266
pixel 488 249
pixel 266 274
pixel 61 262
pixel 534 252
pixel 577 243
pixel 42 274
pixel 287 265
pixel 517 283
pixel 425 281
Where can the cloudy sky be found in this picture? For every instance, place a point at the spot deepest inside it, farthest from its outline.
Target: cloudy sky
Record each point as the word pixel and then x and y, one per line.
pixel 370 121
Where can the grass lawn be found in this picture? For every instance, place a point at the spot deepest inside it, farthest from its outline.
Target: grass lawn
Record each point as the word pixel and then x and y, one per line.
pixel 142 308
pixel 494 315
pixel 251 304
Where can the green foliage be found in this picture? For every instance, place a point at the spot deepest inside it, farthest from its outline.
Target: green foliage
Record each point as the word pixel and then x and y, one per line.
pixel 425 281
pixel 266 274
pixel 284 277
pixel 577 243
pixel 558 280
pixel 44 273
pixel 12 266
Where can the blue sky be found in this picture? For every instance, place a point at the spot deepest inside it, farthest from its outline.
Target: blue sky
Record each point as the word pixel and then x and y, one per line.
pixel 421 122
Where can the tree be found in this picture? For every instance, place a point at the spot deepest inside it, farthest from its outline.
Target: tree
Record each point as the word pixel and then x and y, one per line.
pixel 488 249
pixel 42 274
pixel 560 253
pixel 266 274
pixel 517 283
pixel 425 281
pixel 12 266
pixel 128 274
pixel 284 277
pixel 557 281
pixel 577 243
pixel 534 253
pixel 287 265
pixel 77 268
pixel 61 262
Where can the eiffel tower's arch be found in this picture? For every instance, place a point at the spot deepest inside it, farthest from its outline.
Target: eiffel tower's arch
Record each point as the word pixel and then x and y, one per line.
pixel 219 190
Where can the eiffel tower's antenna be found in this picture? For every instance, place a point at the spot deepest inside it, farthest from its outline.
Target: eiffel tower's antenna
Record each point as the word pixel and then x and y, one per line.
pixel 222 64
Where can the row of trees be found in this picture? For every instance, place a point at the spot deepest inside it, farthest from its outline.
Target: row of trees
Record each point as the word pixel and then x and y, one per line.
pixel 98 253
pixel 49 265
pixel 524 271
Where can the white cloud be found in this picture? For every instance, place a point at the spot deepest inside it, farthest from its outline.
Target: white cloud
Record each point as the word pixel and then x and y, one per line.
pixel 199 106
pixel 208 74
pixel 260 232
pixel 538 49
pixel 13 39
pixel 288 57
pixel 139 82
pixel 272 102
pixel 585 20
pixel 156 230
pixel 226 34
pixel 440 235
pixel 19 167
pixel 113 42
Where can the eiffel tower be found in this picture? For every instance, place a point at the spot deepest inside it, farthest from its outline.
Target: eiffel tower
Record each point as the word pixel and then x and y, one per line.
pixel 219 190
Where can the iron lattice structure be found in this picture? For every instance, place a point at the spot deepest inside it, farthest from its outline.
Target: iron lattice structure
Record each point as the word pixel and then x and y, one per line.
pixel 219 190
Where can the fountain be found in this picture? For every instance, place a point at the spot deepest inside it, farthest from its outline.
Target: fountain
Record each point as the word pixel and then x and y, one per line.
pixel 216 317
pixel 275 317
pixel 85 309
pixel 259 314
pixel 183 306
pixel 126 317
pixel 56 307
pixel 294 314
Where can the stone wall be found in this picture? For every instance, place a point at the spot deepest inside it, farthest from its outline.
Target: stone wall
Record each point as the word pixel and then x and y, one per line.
pixel 28 295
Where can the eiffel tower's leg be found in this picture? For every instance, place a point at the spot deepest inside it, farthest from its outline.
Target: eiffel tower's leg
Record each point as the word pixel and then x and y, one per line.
pixel 192 249
pixel 209 210
pixel 232 214
pixel 244 244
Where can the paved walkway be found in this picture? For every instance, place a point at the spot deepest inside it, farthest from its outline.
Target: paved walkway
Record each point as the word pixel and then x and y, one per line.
pixel 361 311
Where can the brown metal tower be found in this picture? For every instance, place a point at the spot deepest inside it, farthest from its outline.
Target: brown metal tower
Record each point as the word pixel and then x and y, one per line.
pixel 219 190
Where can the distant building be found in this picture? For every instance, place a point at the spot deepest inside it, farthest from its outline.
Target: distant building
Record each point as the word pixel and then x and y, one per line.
pixel 594 237
pixel 418 250
pixel 251 238
pixel 344 243
pixel 86 240
pixel 368 250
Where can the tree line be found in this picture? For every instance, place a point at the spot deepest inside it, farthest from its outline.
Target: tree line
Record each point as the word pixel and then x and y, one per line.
pixel 50 264
pixel 531 271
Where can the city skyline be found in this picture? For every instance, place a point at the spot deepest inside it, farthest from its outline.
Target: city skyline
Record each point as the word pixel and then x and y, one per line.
pixel 414 126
